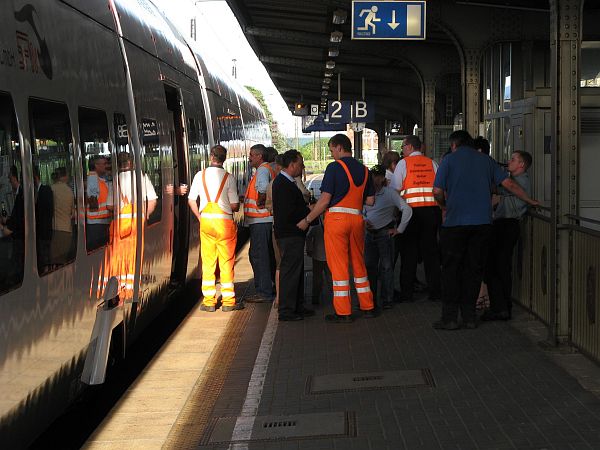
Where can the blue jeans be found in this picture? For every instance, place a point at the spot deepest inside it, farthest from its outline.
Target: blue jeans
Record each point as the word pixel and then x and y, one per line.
pixel 379 259
pixel 261 247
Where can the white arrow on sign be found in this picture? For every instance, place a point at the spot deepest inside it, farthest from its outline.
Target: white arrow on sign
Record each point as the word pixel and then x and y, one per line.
pixel 393 24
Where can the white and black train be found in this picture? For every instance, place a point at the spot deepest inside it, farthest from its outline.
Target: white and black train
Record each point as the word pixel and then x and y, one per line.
pixel 105 112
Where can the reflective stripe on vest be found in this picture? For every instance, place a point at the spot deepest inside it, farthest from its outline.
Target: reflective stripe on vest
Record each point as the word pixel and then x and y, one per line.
pixel 251 208
pixel 212 210
pixel 102 212
pixel 417 188
pixel 353 200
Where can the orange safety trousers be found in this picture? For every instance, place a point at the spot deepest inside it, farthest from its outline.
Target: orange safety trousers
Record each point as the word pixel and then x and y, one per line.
pixel 345 245
pixel 218 238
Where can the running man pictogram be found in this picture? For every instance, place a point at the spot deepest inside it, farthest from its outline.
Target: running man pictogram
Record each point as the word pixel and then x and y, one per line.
pixel 371 17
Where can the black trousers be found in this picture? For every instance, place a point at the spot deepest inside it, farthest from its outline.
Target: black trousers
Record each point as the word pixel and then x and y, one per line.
pixel 291 275
pixel 464 252
pixel 505 234
pixel 421 238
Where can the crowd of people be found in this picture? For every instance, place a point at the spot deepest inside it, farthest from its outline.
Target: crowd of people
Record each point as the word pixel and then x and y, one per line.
pixel 459 218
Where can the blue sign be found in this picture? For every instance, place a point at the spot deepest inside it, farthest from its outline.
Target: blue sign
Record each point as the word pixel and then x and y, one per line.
pixel 346 111
pixel 388 20
pixel 317 123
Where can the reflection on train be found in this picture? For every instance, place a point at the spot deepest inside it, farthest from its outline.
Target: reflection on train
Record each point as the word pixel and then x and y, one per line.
pixel 98 137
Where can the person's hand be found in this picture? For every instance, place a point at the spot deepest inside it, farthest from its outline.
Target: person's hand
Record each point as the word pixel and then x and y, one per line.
pixel 303 224
pixel 495 199
pixel 368 224
pixel 534 202
pixel 393 232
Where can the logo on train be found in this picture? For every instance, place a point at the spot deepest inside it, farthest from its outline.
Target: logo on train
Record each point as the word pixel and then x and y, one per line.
pixel 32 50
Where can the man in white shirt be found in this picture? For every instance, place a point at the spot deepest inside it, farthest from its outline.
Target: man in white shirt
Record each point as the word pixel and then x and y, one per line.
pixel 219 199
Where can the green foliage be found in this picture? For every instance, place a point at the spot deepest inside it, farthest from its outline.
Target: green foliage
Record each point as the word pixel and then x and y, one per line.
pixel 279 141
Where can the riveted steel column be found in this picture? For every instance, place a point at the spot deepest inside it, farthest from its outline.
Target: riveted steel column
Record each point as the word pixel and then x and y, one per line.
pixel 472 88
pixel 565 29
pixel 428 112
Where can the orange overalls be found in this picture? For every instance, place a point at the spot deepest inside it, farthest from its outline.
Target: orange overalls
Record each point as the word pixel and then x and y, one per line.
pixel 218 237
pixel 345 239
pixel 126 247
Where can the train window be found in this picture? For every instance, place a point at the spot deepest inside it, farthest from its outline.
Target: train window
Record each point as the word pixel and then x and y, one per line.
pixel 152 176
pixel 126 178
pixel 97 177
pixel 54 189
pixel 12 218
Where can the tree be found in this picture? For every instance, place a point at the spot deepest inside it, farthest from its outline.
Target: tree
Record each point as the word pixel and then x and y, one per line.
pixel 279 141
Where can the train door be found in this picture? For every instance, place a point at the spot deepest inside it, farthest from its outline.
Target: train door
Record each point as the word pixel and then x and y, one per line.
pixel 180 179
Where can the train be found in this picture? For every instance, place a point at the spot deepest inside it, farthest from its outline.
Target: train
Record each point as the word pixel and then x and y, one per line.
pixel 83 81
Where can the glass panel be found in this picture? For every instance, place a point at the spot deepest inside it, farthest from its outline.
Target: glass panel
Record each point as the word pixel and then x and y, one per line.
pixel 152 176
pixel 505 76
pixel 54 190
pixel 12 218
pixel 126 177
pixel 590 64
pixel 97 177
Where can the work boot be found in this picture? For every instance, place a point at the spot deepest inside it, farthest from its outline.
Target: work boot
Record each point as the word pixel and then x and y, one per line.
pixel 207 308
pixel 371 313
pixel 228 308
pixel 334 318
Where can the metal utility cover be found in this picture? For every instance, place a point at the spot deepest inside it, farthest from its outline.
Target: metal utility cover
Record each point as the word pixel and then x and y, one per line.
pixel 296 426
pixel 324 384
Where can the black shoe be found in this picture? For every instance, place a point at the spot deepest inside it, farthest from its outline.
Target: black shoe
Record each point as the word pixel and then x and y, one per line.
pixel 207 308
pixel 470 325
pixel 257 298
pixel 388 305
pixel 492 315
pixel 228 308
pixel 371 313
pixel 290 318
pixel 306 312
pixel 441 325
pixel 334 318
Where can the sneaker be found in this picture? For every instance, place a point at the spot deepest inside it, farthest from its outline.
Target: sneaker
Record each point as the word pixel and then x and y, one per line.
pixel 290 317
pixel 228 308
pixel 207 308
pixel 371 313
pixel 334 318
pixel 441 325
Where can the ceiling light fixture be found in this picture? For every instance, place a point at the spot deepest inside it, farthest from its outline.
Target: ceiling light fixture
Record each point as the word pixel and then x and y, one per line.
pixel 326 80
pixel 340 16
pixel 336 36
pixel 328 74
pixel 325 93
pixel 333 52
pixel 330 65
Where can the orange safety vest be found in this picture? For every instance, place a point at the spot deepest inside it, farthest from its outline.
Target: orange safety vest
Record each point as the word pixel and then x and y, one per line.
pixel 251 208
pixel 102 212
pixel 352 203
pixel 417 188
pixel 125 217
pixel 212 210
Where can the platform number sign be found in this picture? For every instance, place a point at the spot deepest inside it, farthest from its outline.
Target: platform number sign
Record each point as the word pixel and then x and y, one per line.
pixel 346 111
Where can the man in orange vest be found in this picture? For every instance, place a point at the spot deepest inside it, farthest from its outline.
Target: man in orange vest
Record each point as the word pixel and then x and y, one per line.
pixel 346 187
pixel 99 204
pixel 260 222
pixel 219 199
pixel 413 179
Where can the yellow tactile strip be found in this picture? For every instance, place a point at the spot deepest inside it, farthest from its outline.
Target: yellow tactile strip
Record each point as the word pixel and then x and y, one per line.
pixel 196 413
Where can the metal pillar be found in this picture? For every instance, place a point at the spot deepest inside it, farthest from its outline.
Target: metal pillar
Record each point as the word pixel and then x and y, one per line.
pixel 428 113
pixel 472 91
pixel 565 38
pixel 358 145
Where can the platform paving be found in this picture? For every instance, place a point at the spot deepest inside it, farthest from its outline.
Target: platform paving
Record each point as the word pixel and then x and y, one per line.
pixel 495 387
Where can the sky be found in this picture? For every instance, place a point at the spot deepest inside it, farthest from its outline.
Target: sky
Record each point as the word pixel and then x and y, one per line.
pixel 225 41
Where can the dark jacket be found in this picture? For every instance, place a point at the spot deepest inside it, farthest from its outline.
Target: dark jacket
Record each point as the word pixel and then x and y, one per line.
pixel 16 221
pixel 44 212
pixel 288 208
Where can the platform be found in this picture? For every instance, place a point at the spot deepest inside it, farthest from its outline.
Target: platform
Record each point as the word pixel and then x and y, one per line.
pixel 243 380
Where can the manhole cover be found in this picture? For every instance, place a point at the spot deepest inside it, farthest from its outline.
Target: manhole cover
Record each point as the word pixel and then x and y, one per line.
pixel 345 382
pixel 267 428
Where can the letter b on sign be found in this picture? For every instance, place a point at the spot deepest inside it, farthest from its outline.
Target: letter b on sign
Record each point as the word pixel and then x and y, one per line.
pixel 360 111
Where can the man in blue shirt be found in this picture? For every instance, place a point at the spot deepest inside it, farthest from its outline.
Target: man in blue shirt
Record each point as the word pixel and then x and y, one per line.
pixel 464 184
